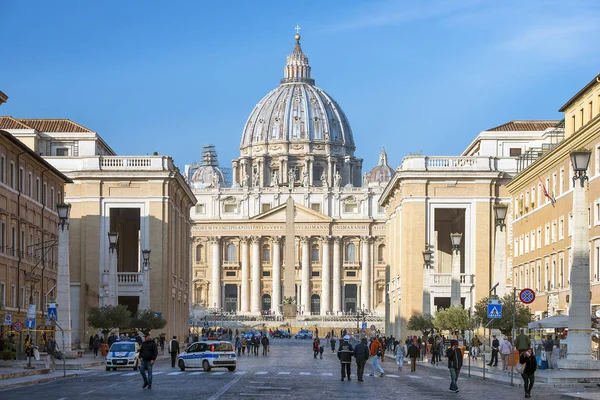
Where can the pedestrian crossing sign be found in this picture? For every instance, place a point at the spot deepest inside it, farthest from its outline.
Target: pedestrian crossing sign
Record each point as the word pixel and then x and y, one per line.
pixel 494 311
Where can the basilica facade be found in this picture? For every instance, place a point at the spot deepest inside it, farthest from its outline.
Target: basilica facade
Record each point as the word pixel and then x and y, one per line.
pixel 298 222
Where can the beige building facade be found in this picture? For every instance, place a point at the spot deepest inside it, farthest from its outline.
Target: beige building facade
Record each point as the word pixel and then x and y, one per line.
pixel 542 226
pixel 142 198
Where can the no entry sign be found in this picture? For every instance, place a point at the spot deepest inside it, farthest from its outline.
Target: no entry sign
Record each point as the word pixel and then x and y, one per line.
pixel 17 326
pixel 527 296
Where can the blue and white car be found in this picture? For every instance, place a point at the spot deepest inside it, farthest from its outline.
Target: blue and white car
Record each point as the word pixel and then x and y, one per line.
pixel 208 354
pixel 122 354
pixel 304 334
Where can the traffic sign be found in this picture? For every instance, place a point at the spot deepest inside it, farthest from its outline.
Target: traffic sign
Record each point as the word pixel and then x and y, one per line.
pixel 373 328
pixel 527 296
pixel 191 322
pixel 30 323
pixel 598 313
pixel 364 325
pixel 17 326
pixel 494 311
pixel 7 319
pixel 31 312
pixel 52 315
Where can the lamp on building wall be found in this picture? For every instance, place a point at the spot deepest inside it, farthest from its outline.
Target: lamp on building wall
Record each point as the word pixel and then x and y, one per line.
pixel 500 211
pixel 146 259
pixel 113 241
pixel 580 159
pixel 427 255
pixel 63 213
pixel 456 238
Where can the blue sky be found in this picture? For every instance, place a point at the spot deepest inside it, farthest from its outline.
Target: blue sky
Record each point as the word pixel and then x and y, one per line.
pixel 411 76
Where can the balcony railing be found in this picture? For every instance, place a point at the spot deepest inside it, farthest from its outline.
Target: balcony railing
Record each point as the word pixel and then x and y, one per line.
pixel 446 279
pixel 425 163
pixel 129 278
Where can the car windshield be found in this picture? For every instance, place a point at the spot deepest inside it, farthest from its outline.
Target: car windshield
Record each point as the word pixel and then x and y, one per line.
pixel 223 347
pixel 122 347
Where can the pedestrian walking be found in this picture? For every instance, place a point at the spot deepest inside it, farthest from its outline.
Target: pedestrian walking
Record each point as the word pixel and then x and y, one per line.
pixel 162 341
pixel 376 352
pixel 475 343
pixel 91 343
pixel 400 354
pixel 495 350
pixel 238 345
pixel 361 354
pixel 148 354
pixel 173 350
pixel 522 342
pixel 315 347
pixel 332 343
pixel 413 353
pixel 265 345
pixel 345 353
pixel 244 345
pixel 455 361
pixel 506 350
pixel 528 374
pixel 548 347
pixel 96 345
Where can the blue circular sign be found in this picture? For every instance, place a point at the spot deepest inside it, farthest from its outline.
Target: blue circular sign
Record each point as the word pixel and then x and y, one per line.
pixel 527 296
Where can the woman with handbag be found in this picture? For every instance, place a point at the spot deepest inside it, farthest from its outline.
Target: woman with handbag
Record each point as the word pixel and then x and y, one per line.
pixel 526 367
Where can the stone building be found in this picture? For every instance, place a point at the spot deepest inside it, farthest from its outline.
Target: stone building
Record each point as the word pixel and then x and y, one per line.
pixel 542 225
pixel 299 220
pixel 142 198
pixel 430 198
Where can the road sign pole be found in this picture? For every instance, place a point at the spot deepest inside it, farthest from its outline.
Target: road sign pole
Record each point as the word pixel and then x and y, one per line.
pixel 514 321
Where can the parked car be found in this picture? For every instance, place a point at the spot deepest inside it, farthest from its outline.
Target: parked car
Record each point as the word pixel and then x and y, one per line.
pixel 304 334
pixel 281 334
pixel 251 332
pixel 208 354
pixel 122 354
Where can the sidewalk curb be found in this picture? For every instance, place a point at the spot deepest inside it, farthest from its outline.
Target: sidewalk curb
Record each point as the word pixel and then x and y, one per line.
pixel 34 382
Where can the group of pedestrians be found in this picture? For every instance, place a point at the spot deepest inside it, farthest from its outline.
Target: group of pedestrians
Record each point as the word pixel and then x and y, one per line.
pixel 252 345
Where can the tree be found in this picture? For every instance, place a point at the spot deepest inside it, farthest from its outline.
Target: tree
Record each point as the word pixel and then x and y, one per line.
pixel 109 318
pixel 454 319
pixel 147 320
pixel 423 323
pixel 504 324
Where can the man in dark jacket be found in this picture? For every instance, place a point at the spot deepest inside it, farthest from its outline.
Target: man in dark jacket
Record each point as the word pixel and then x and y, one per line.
pixel 345 353
pixel 413 353
pixel 455 361
pixel 495 347
pixel 361 353
pixel 173 350
pixel 148 354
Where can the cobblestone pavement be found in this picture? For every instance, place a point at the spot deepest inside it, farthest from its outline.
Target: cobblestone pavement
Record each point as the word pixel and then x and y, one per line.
pixel 288 371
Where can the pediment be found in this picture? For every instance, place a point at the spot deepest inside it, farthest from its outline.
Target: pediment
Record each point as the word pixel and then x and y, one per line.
pixel 303 214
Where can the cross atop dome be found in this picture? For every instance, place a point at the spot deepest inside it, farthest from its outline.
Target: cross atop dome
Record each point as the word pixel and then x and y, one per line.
pixel 297 69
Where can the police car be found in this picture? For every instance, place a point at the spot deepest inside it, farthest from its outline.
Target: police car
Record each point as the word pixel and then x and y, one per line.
pixel 208 354
pixel 123 354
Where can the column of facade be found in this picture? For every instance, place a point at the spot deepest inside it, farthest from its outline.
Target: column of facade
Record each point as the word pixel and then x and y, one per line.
pixel 255 303
pixel 366 274
pixel 245 285
pixel 326 278
pixel 310 165
pixel 216 271
pixel 337 270
pixel 305 301
pixel 235 173
pixel 276 296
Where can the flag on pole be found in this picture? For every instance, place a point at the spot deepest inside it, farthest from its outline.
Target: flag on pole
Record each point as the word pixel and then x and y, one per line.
pixel 551 198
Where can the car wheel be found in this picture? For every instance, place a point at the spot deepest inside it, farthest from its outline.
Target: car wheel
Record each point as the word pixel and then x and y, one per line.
pixel 206 365
pixel 231 369
pixel 181 364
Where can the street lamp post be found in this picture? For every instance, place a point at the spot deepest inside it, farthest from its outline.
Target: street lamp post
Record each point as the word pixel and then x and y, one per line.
pixel 427 280
pixel 499 273
pixel 456 238
pixel 63 283
pixel 360 315
pixel 111 272
pixel 579 339
pixel 145 299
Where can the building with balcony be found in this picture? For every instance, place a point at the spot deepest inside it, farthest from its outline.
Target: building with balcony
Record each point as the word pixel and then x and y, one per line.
pixel 142 198
pixel 542 225
pixel 430 198
pixel 299 219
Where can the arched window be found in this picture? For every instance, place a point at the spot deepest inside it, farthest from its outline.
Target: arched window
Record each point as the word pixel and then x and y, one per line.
pixel 231 254
pixel 350 253
pixel 315 304
pixel 266 302
pixel 380 253
pixel 314 253
pixel 199 251
pixel 266 253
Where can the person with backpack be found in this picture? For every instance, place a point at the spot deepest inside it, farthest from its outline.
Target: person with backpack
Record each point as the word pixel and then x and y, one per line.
pixel 173 350
pixel 376 353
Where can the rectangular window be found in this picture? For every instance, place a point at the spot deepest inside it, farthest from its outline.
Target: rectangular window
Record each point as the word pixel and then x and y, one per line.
pixel 316 273
pixel 561 273
pixel 22 244
pixel 3 168
pixel 561 182
pixel 516 247
pixel 230 208
pixel 351 208
pixel 547 235
pixel 12 175
pixel 597 267
pixel 315 207
pixel 561 228
pixel 553 232
pixel 539 237
pixel 229 273
pixel 21 180
pixel 62 152
pixel 350 274
pixel 13 296
pixel 533 240
pixel 264 207
pixel 527 243
pixel 44 194
pixel 514 151
pixel 538 277
pixel 570 224
pixel 13 241
pixel 52 198
pixel 548 188
pixel 200 208
pixel 266 273
pixel 29 184
pixel 554 183
pixel 37 189
pixel 2 293
pixel 3 237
